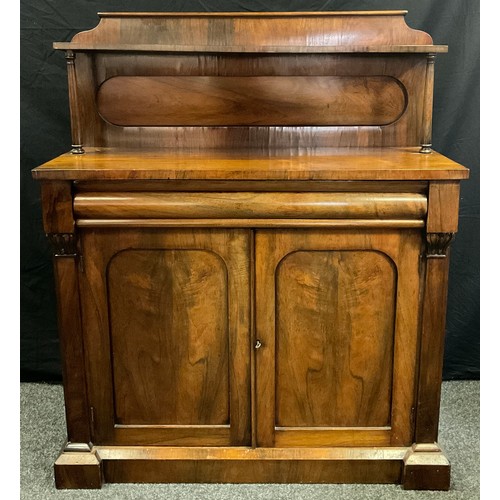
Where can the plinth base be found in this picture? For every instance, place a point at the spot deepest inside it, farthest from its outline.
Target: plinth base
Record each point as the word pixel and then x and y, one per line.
pixel 416 467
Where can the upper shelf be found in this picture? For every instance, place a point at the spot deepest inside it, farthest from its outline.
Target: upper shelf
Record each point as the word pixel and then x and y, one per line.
pixel 269 32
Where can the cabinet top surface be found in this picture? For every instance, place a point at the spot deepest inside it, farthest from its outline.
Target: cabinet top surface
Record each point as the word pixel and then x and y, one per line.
pixel 320 164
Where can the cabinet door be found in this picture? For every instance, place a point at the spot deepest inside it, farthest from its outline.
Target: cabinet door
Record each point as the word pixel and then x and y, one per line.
pixel 337 320
pixel 166 317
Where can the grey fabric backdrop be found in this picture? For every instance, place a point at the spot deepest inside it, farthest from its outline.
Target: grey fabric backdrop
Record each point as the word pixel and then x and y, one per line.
pixel 45 133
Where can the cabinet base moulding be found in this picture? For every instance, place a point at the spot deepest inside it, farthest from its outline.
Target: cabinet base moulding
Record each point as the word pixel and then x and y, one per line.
pixel 140 464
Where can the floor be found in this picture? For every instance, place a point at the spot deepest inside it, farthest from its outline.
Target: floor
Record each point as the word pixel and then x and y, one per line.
pixel 42 435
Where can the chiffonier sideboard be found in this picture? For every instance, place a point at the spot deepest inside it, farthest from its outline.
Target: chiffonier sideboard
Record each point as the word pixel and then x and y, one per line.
pixel 251 237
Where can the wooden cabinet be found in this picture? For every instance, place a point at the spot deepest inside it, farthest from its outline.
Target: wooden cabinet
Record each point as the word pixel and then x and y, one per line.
pixel 251 251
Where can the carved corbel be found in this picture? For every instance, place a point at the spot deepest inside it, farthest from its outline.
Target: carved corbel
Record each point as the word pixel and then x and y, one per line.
pixel 437 244
pixel 64 244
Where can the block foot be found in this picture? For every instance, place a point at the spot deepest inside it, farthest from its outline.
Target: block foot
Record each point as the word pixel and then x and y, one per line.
pixel 426 468
pixel 78 470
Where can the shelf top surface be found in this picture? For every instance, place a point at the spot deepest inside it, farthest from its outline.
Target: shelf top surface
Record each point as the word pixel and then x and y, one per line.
pixel 272 49
pixel 258 14
pixel 238 164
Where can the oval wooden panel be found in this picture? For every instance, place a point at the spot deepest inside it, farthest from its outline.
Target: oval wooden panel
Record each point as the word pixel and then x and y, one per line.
pixel 251 100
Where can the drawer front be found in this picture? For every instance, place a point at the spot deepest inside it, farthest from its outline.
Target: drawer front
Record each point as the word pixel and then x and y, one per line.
pixel 249 209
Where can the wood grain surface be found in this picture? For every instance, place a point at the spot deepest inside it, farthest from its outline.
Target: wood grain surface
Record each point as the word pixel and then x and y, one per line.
pixel 132 101
pixel 426 468
pixel 246 465
pixel 384 367
pixel 250 205
pixel 57 207
pixel 340 164
pixel 444 200
pixel 432 350
pixel 167 335
pixel 96 68
pixel 334 338
pixel 75 470
pixel 229 185
pixel 277 50
pixel 252 223
pixel 169 331
pixel 70 329
pixel 254 29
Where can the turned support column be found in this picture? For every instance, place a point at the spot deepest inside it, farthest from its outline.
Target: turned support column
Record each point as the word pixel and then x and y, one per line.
pixel 427 107
pixel 74 107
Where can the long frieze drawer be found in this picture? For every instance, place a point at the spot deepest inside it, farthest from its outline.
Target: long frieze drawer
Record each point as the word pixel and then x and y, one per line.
pixel 188 205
